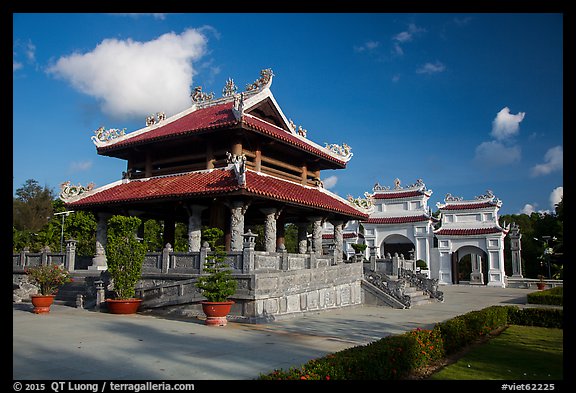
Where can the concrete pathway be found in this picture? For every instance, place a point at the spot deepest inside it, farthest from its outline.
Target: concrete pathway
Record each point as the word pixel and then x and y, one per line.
pixel 74 344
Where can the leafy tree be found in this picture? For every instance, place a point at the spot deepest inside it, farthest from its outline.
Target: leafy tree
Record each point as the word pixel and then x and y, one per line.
pixel 153 235
pixel 32 207
pixel 125 255
pixel 217 284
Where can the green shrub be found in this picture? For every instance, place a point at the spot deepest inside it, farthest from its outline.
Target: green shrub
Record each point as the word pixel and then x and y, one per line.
pixel 553 296
pixel 395 357
pixel 537 316
pixel 421 264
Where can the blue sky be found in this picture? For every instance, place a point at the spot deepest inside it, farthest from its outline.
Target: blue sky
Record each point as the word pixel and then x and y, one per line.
pixel 465 102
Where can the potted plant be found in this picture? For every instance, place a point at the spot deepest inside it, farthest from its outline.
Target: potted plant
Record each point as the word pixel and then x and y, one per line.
pixel 359 251
pixel 48 278
pixel 125 256
pixel 540 284
pixel 218 283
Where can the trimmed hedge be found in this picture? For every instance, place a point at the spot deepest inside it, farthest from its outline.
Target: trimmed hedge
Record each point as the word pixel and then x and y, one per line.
pixel 553 296
pixel 395 357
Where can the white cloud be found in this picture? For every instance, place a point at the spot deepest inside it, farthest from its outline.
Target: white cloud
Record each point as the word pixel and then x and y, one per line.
pixel 16 65
pixel 79 166
pixel 494 153
pixel 556 197
pixel 330 182
pixel 528 209
pixel 408 35
pixel 505 124
pixel 431 68
pixel 132 78
pixel 368 46
pixel 554 161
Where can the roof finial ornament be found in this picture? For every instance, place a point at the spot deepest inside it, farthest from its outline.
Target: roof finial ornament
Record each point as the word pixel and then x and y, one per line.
pixel 265 80
pixel 230 88
pixel 102 135
pixel 199 96
pixel 397 184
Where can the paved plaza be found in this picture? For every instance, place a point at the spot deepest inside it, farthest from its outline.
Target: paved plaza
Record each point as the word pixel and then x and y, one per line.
pixel 76 344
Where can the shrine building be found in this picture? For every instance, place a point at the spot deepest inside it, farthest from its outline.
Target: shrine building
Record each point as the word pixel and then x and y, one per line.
pixel 232 163
pixel 465 244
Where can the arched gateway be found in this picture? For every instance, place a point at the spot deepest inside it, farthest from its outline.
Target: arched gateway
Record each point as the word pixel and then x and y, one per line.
pixel 234 162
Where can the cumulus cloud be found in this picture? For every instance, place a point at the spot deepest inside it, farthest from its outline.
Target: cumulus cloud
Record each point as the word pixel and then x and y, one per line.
pixel 134 79
pixel 553 161
pixel 431 68
pixel 494 153
pixel 556 196
pixel 506 125
pixel 528 209
pixel 330 181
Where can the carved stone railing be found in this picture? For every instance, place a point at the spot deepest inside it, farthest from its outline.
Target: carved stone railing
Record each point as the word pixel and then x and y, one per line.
pixel 423 283
pixel 394 288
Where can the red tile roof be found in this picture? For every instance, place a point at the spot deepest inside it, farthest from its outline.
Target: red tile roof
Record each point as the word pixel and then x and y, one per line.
pixel 212 117
pixel 396 220
pixel 469 231
pixel 468 206
pixel 394 195
pixel 345 235
pixel 217 182
pixel 157 188
pixel 281 134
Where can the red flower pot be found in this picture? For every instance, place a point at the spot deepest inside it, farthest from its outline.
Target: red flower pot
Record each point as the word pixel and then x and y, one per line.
pixel 123 306
pixel 216 312
pixel 42 303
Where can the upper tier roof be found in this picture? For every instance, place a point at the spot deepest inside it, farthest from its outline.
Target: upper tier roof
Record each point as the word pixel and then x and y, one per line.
pixel 255 110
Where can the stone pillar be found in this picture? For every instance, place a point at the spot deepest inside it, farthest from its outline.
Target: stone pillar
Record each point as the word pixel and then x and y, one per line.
pixel 248 251
pixel 515 249
pixel 317 235
pixel 195 227
pixel 99 261
pixel 302 237
pixel 70 254
pixel 270 229
pixel 338 241
pixel 237 225
pixel 280 234
pixel 476 276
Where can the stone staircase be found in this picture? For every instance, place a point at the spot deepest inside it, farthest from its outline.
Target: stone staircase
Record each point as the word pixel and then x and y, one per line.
pixel 408 291
pixel 82 284
pixel 417 296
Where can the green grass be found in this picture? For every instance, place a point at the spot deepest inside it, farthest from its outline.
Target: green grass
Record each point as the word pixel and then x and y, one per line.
pixel 518 353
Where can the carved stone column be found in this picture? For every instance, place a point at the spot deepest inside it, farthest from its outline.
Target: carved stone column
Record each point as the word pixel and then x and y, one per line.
pixel 270 229
pixel 99 261
pixel 317 235
pixel 195 227
pixel 237 212
pixel 302 237
pixel 338 240
pixel 515 249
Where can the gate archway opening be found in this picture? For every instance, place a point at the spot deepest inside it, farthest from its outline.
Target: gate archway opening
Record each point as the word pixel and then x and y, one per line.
pixel 397 244
pixel 470 266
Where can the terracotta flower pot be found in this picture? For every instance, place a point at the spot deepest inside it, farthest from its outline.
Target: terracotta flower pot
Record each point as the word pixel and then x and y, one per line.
pixel 123 306
pixel 216 312
pixel 42 303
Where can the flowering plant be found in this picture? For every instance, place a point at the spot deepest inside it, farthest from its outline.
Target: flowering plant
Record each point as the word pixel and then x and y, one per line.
pixel 49 277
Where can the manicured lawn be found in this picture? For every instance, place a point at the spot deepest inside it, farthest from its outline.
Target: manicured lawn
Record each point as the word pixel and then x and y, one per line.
pixel 518 353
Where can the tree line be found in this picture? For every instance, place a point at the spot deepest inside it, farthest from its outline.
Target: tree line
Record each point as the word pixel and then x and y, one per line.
pixel 37 224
